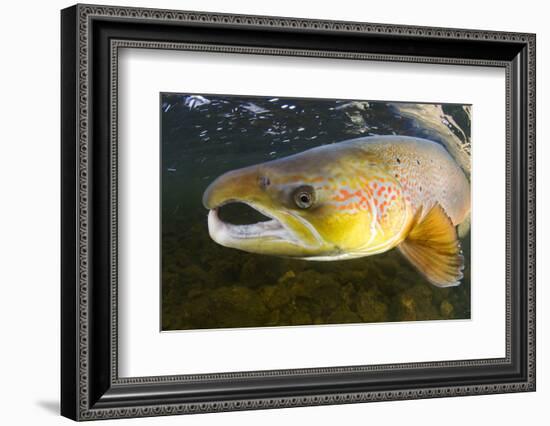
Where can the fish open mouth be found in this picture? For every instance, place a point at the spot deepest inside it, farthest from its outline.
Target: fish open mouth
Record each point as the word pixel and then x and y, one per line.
pixel 239 213
pixel 264 226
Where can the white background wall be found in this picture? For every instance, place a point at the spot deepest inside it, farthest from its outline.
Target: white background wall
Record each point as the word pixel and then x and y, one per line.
pixel 29 211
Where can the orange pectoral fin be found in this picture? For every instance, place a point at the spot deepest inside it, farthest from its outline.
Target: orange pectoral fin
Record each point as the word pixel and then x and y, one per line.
pixel 432 246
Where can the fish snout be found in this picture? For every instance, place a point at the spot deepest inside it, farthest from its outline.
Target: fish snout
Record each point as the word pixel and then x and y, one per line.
pixel 237 185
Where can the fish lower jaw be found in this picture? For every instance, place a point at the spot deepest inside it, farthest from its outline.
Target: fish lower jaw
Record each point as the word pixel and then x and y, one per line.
pixel 230 235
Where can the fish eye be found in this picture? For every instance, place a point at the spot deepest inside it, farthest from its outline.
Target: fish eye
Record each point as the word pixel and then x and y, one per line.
pixel 304 197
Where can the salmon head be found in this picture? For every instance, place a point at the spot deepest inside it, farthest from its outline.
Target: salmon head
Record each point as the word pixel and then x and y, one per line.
pixel 323 204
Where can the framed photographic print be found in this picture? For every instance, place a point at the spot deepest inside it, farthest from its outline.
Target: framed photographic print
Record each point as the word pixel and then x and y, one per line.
pixel 263 212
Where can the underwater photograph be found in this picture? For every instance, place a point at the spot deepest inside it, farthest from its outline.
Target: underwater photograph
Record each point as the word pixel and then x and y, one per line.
pixel 279 211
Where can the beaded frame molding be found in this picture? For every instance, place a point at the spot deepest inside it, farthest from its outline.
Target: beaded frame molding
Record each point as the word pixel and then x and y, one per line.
pixel 91 38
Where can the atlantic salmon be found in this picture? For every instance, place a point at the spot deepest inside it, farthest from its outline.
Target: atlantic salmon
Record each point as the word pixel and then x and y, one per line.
pixel 351 199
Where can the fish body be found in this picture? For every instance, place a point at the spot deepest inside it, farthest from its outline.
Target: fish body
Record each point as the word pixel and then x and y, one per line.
pixel 352 199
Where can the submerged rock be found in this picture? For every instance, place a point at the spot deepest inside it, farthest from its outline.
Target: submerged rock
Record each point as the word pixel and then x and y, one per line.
pixel 343 314
pixel 371 306
pixel 238 306
pixel 416 304
pixel 286 277
pixel 446 309
pixel 406 308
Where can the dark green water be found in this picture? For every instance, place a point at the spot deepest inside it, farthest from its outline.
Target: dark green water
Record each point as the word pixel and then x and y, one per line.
pixel 205 285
